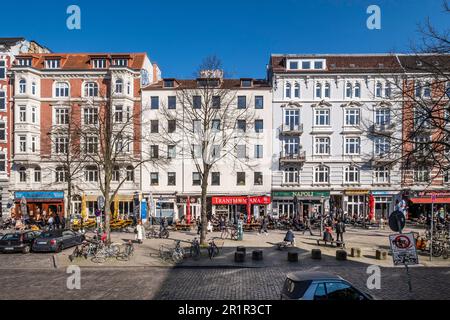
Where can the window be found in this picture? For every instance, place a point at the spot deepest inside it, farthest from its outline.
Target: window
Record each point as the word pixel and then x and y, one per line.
pixel 341 291
pixel 61 89
pixel 26 62
pixel 22 174
pixel 130 174
pixel 258 179
pixel 296 91
pixel 306 65
pixel 387 90
pixel 322 117
pixel 352 146
pixel 197 102
pixel 241 125
pixel 293 65
pixel 318 64
pixel 240 178
pixel 318 90
pixel 171 178
pixel 216 102
pixel 291 146
pixel 196 179
pixel 2 131
pixel 382 145
pixel 154 152
pixel 61 145
pixel 421 174
pixel 91 174
pixel 120 62
pixel 99 63
pixel 422 144
pixel 128 87
pixel 37 174
pixel 382 116
pixel 259 126
pixel 215 151
pixel 2 162
pixel 91 145
pixel 90 116
pixel 171 152
pixel 259 151
pixel 215 125
pixel 171 102
pixel 356 205
pixel 241 151
pixel 291 118
pixel 196 126
pixel 2 100
pixel 322 145
pixel 154 178
pixel 196 151
pixel 351 174
pixel 22 86
pixel 242 102
pixel 246 83
pixel 169 83
pixel 154 126
pixel 288 90
pixel 378 90
pixel 352 117
pixel 61 174
pixel 22 113
pixel 327 90
pixel 118 114
pixel 33 143
pixel 259 102
pixel 357 90
pixel 33 88
pixel 52 64
pixel 90 89
pixel 427 90
pixel 2 69
pixel 119 86
pixel 291 175
pixel 154 102
pixel 321 174
pixel 381 174
pixel 116 174
pixel 418 89
pixel 22 143
pixel 62 116
pixel 33 115
pixel 171 126
pixel 215 178
pixel 348 90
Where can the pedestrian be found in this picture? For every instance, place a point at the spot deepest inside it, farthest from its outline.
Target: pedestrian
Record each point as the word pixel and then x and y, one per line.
pixel 340 229
pixel 57 221
pixel 328 234
pixel 140 232
pixel 62 220
pixel 199 225
pixel 308 226
pixel 263 228
pixel 290 237
pixel 50 223
pixel 209 227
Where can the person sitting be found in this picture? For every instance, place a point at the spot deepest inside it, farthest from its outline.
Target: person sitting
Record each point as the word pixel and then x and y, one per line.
pixel 289 237
pixel 328 234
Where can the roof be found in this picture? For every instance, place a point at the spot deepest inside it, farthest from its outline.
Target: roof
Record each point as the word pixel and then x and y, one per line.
pixel 312 276
pixel 193 84
pixel 81 61
pixel 10 41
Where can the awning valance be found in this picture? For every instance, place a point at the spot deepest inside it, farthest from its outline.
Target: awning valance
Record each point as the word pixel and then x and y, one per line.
pixel 429 200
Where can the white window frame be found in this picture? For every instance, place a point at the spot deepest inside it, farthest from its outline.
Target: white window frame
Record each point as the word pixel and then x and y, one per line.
pixel 351 174
pixel 52 63
pixel 322 113
pixel 291 175
pixel 2 100
pixel 322 146
pixel 381 175
pixel 61 113
pixel 61 89
pixel 22 143
pixel 91 89
pixel 321 174
pixel 348 142
pixel 352 117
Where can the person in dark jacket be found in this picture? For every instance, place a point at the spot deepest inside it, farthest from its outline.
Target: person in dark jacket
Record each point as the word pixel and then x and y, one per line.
pixel 290 237
pixel 340 229
pixel 264 224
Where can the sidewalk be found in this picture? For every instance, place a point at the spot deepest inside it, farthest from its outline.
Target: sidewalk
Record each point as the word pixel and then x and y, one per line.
pixel 147 254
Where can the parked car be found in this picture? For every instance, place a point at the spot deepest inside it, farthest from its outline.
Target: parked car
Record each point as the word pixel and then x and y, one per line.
pixel 57 240
pixel 320 286
pixel 18 241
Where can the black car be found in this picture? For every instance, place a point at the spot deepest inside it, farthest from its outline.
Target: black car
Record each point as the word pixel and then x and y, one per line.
pixel 18 241
pixel 320 286
pixel 57 240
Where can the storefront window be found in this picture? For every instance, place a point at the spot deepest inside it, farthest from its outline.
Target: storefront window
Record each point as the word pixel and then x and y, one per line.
pixel 355 205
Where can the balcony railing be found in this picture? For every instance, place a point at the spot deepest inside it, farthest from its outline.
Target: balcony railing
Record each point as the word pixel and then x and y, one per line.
pixel 292 129
pixel 383 158
pixel 383 128
pixel 293 157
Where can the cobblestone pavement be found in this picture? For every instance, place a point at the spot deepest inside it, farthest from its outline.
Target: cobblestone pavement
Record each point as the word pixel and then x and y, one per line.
pixel 195 283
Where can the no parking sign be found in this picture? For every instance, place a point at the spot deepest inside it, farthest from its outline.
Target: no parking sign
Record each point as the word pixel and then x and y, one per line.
pixel 403 248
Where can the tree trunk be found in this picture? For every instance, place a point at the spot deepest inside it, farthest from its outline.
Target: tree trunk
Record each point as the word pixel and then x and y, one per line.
pixel 69 203
pixel 107 211
pixel 204 207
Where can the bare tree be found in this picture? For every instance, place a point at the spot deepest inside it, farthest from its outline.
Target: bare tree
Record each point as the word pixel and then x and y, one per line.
pixel 211 127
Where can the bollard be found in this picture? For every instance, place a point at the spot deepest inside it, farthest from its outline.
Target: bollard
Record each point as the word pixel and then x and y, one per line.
pixel 257 255
pixel 239 256
pixel 293 256
pixel 241 249
pixel 316 254
pixel 355 252
pixel 380 254
pixel 341 255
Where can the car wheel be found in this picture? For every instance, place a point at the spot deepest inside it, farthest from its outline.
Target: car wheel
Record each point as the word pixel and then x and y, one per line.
pixel 26 250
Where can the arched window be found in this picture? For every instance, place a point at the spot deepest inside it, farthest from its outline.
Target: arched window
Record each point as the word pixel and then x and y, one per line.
pixel 37 174
pixel 130 173
pixel 61 174
pixel 318 90
pixel 378 89
pixel 33 88
pixel 427 90
pixel 352 174
pixel 297 90
pixel 321 174
pixel 91 89
pixel 61 89
pixel 288 90
pixel 22 86
pixel 22 174
pixel 327 90
pixel 128 87
pixel 2 100
pixel 357 90
pixel 119 86
pixel 348 90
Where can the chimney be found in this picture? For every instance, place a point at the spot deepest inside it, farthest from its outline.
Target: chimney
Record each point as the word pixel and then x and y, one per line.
pixel 156 73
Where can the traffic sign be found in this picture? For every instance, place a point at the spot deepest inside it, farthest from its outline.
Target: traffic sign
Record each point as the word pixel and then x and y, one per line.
pixel 403 248
pixel 397 221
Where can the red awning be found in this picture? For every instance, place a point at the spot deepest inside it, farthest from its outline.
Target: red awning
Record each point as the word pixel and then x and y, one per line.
pixel 428 200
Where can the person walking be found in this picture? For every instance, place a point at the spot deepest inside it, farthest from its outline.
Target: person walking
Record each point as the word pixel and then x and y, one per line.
pixel 264 223
pixel 307 226
pixel 340 229
pixel 57 221
pixel 199 226
pixel 140 232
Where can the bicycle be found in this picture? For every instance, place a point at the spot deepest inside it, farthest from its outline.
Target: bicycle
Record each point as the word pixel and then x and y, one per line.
pixel 106 252
pixel 195 249
pixel 152 234
pixel 127 251
pixel 172 254
pixel 213 250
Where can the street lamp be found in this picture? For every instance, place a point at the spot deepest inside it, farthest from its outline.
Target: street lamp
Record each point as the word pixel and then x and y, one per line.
pixel 321 215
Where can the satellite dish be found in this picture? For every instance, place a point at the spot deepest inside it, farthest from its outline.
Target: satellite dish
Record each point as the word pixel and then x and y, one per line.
pixel 397 221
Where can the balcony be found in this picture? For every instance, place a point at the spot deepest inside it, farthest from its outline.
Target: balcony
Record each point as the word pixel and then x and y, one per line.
pixel 385 158
pixel 385 128
pixel 291 129
pixel 298 157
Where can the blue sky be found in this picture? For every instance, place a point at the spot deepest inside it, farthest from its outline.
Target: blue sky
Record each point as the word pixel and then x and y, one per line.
pixel 177 34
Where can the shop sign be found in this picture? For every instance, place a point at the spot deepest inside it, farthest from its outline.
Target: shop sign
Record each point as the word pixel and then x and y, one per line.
pixel 437 193
pixel 39 194
pixel 240 200
pixel 192 200
pixel 301 194
pixel 356 192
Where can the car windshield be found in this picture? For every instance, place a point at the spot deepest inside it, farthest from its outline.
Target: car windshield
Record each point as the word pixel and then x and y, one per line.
pixel 295 290
pixel 50 235
pixel 11 236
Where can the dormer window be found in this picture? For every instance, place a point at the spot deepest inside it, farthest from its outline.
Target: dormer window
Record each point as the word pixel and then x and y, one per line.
pixel 246 83
pixel 293 65
pixel 24 62
pixel 120 62
pixel 169 83
pixel 99 63
pixel 52 64
pixel 306 65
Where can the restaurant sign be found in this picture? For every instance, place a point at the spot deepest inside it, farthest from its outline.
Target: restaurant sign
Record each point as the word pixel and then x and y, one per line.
pixel 301 194
pixel 192 200
pixel 240 200
pixel 356 192
pixel 39 194
pixel 437 193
